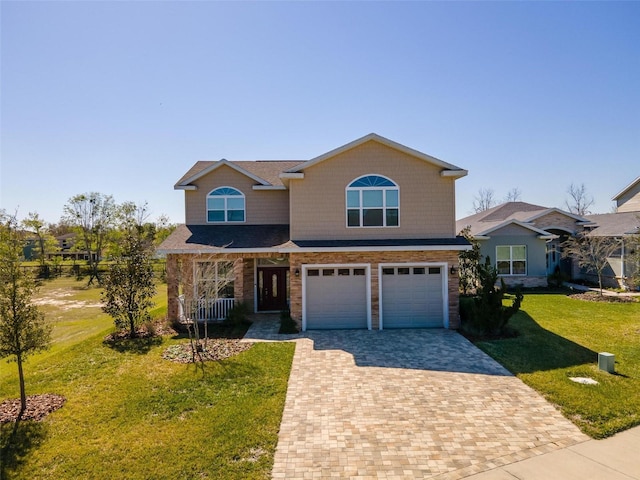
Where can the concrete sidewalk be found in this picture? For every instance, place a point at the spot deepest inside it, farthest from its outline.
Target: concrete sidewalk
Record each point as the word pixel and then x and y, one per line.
pixel 615 458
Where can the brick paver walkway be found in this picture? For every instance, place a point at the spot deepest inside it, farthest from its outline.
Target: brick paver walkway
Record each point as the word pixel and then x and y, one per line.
pixel 407 404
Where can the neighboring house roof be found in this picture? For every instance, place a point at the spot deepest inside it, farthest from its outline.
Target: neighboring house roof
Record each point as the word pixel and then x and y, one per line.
pixel 204 239
pixel 448 168
pixel 615 224
pixel 626 189
pixel 518 213
pixel 263 172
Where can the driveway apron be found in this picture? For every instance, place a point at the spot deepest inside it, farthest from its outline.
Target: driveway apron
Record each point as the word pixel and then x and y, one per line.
pixel 408 404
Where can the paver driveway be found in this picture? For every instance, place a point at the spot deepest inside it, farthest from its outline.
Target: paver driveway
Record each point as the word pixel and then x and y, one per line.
pixel 407 404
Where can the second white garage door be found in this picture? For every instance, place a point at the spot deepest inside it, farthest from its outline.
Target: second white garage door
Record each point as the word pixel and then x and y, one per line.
pixel 412 296
pixel 336 297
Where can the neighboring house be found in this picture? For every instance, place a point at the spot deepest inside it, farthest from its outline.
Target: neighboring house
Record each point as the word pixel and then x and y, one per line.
pixel 360 237
pixel 624 226
pixel 524 241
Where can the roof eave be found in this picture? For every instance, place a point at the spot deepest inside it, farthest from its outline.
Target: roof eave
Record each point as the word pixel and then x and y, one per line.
pixel 454 173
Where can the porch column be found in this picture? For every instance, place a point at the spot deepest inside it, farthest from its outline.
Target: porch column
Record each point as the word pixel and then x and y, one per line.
pixel 172 287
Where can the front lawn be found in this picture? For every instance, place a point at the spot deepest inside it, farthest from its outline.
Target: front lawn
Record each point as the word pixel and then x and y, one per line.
pixel 131 414
pixel 560 337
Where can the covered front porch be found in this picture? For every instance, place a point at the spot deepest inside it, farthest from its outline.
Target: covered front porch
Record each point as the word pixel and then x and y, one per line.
pixel 205 287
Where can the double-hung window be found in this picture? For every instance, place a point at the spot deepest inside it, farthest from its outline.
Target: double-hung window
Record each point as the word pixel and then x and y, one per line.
pixel 225 204
pixel 373 201
pixel 511 259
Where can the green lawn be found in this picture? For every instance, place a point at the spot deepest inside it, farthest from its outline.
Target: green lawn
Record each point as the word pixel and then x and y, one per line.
pixel 131 414
pixel 560 337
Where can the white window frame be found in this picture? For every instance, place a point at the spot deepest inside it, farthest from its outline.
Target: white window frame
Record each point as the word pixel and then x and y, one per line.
pixel 361 207
pixel 511 260
pixel 226 210
pixel 212 267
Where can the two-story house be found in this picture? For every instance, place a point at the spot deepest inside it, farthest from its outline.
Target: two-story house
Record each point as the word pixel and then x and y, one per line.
pixel 360 237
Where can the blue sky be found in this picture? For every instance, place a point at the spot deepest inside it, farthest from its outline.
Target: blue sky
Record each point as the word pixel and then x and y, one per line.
pixel 123 97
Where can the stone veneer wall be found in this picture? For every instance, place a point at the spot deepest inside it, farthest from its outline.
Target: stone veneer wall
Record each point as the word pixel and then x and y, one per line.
pixel 296 260
pixel 525 282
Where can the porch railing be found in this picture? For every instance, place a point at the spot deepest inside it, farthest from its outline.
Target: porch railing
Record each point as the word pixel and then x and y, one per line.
pixel 204 309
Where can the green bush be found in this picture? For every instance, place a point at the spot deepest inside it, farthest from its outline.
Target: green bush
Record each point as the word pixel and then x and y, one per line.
pixel 487 316
pixel 239 314
pixel 287 324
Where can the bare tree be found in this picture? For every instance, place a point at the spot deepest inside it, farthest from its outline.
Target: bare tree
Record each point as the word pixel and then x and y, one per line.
pixel 513 195
pixel 204 283
pixel 579 201
pixel 484 200
pixel 592 252
pixel 93 215
pixel 23 330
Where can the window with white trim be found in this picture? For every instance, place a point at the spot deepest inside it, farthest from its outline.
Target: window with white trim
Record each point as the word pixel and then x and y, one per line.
pixel 224 205
pixel 511 259
pixel 213 280
pixel 373 201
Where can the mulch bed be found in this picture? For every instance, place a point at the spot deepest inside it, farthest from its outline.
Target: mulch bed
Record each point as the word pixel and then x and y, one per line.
pixel 216 349
pixel 38 407
pixel 596 297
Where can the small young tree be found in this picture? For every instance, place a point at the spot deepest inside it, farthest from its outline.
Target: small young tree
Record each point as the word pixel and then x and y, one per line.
pixel 468 262
pixel 488 315
pixel 92 215
pixel 591 252
pixel 23 330
pixel 129 286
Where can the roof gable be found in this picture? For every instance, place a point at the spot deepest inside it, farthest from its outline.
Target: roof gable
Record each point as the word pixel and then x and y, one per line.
pixel 265 173
pixel 633 184
pixel 447 168
pixel 508 223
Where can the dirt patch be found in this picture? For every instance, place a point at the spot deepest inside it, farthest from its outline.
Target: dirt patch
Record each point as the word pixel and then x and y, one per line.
pixel 215 349
pixel 56 299
pixel 596 297
pixel 38 407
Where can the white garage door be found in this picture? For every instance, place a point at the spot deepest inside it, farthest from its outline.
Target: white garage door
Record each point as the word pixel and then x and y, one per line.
pixel 412 297
pixel 336 297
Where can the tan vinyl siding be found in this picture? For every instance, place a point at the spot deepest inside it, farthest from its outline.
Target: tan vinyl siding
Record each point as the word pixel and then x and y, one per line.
pixel 630 201
pixel 427 200
pixel 263 207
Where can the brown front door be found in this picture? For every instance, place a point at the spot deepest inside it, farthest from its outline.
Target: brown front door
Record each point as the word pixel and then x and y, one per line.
pixel 272 288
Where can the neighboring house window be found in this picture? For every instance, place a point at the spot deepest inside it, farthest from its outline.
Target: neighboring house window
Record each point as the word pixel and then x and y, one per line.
pixel 225 204
pixel 511 259
pixel 373 201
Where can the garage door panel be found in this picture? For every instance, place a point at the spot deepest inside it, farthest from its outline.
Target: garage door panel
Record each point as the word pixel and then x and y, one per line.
pixel 336 298
pixel 412 297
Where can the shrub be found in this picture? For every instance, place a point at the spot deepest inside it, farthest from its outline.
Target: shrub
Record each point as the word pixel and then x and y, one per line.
pixel 287 324
pixel 487 316
pixel 239 314
pixel 557 278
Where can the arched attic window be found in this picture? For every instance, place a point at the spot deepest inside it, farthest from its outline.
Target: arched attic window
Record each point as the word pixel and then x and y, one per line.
pixel 373 201
pixel 225 205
